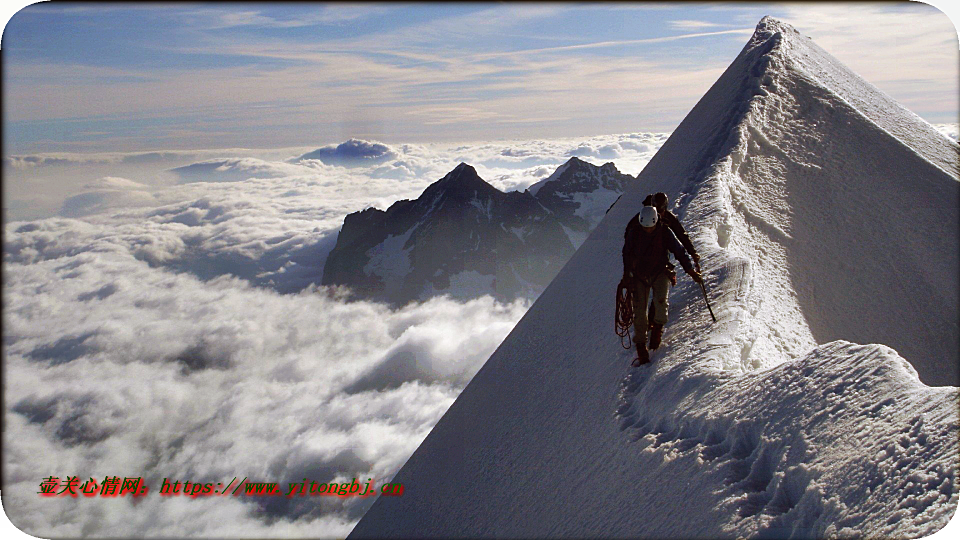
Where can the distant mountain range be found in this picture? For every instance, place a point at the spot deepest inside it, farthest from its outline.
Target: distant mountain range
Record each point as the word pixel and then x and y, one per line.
pixel 465 238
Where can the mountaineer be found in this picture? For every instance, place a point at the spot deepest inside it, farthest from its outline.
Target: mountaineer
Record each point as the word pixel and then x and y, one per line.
pixel 646 267
pixel 659 201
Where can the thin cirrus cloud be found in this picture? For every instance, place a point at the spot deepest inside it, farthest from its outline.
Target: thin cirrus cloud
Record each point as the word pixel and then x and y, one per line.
pixel 320 15
pixel 293 71
pixel 621 43
pixel 688 24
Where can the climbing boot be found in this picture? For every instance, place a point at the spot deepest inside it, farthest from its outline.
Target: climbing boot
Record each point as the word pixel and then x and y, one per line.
pixel 642 355
pixel 655 335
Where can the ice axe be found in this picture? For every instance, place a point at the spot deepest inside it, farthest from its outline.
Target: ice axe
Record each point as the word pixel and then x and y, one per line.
pixel 707 300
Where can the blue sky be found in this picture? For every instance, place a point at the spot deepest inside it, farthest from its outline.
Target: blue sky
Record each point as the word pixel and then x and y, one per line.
pixel 122 77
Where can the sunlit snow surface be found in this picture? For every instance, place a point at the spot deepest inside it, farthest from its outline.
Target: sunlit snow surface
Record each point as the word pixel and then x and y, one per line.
pixel 826 214
pixel 164 325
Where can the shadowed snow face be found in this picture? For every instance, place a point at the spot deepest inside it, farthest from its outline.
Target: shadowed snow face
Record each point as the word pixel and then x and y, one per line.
pixel 174 332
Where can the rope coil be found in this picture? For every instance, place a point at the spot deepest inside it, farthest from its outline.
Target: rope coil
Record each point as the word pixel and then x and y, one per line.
pixel 624 314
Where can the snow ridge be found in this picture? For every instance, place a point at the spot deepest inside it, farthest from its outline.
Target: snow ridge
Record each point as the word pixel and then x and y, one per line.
pixel 770 422
pixel 768 435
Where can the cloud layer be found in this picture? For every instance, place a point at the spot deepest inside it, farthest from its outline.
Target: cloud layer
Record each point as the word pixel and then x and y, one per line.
pixel 117 367
pixel 296 178
pixel 171 329
pixel 352 153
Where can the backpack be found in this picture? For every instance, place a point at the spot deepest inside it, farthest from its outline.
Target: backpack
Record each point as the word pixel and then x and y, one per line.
pixel 645 256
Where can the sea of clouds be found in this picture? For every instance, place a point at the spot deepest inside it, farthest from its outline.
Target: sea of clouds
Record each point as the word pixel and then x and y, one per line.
pixel 162 319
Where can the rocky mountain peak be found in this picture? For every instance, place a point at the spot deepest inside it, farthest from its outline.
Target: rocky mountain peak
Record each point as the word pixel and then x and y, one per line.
pixel 577 175
pixel 462 173
pixel 462 237
pixel 462 182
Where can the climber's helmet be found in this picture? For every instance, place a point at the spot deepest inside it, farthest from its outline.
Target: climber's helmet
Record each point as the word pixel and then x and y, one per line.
pixel 648 217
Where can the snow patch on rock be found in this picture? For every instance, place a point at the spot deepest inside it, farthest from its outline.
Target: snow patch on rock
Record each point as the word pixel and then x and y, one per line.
pixel 390 260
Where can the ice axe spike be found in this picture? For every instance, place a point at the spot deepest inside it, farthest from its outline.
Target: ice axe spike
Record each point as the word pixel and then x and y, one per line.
pixel 707 300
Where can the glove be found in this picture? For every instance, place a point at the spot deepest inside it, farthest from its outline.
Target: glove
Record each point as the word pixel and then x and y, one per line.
pixel 695 275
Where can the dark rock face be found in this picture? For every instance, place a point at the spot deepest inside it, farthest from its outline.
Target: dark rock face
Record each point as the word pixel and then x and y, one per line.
pixel 579 195
pixel 465 238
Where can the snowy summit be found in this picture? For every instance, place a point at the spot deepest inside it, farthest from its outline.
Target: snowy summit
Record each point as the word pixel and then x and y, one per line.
pixel 823 401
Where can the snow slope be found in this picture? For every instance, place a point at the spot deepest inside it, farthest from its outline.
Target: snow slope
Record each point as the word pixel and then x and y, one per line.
pixel 826 214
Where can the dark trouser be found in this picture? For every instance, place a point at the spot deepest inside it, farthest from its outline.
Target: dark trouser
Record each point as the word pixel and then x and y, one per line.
pixel 641 295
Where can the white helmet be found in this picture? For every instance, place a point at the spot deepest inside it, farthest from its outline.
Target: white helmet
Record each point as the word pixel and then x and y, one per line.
pixel 648 216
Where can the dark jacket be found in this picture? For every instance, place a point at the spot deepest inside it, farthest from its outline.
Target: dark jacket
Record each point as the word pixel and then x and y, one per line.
pixel 645 254
pixel 671 221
